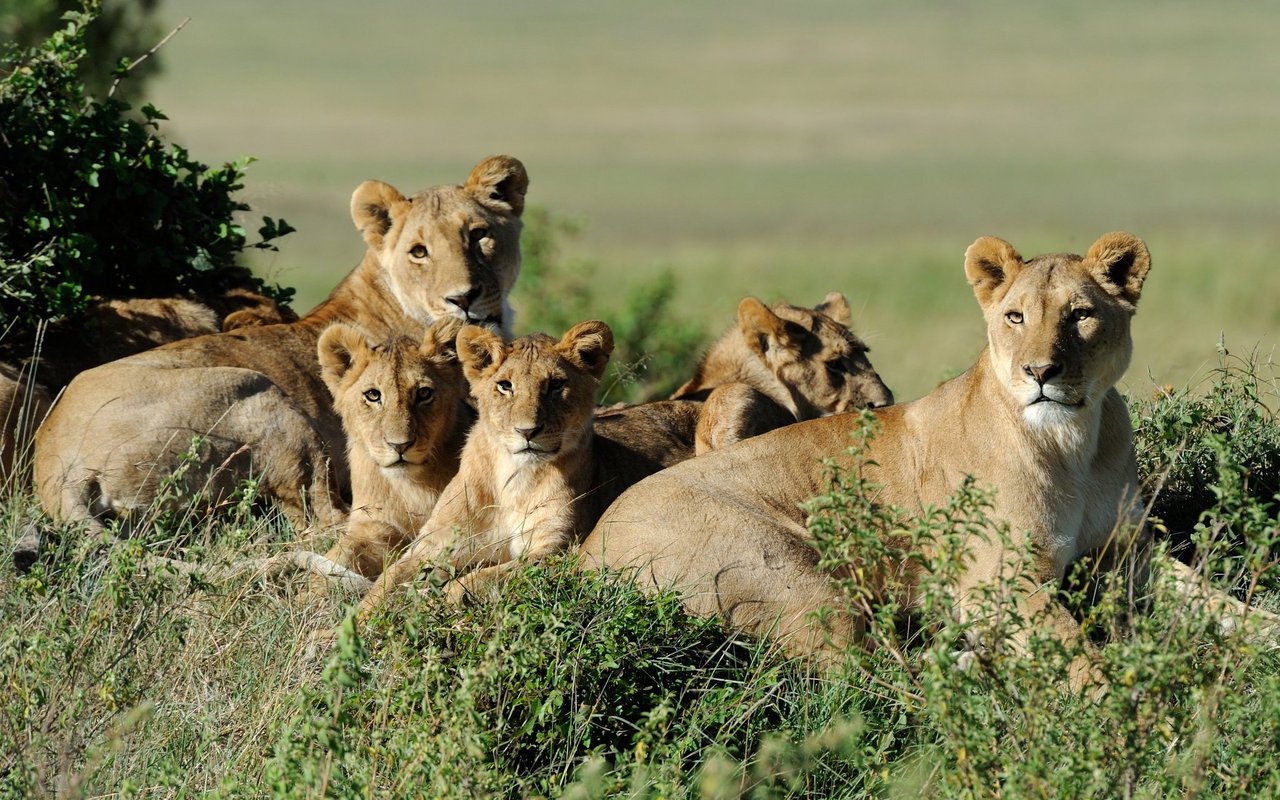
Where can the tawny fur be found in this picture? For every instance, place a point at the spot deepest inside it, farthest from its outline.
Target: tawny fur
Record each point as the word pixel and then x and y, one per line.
pixel 528 485
pixel 255 395
pixel 403 404
pixel 775 366
pixel 728 530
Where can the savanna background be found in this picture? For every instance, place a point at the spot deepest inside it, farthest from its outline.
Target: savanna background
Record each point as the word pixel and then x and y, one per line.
pixel 783 151
pixel 681 156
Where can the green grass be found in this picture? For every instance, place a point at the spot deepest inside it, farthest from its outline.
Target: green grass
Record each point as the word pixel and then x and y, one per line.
pixel 751 149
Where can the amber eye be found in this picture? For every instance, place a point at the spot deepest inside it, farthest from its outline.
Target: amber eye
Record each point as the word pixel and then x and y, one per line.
pixel 1014 317
pixel 418 251
pixel 504 387
pixel 373 396
pixel 555 385
pixel 1082 314
pixel 424 394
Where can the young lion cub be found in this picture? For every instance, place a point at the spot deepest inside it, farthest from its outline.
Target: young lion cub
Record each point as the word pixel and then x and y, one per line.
pixel 403 407
pixel 524 489
pixel 782 365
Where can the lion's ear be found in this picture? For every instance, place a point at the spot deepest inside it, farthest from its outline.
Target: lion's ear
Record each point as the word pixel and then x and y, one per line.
pixel 765 330
pixel 372 204
pixel 480 350
pixel 441 339
pixel 588 346
pixel 1119 262
pixel 337 350
pixel 991 264
pixel 499 182
pixel 835 305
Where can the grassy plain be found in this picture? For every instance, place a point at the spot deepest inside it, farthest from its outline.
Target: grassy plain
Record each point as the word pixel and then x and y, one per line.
pixel 781 151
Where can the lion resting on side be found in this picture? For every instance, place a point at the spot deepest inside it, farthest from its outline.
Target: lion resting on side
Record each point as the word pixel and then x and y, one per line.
pixel 253 399
pixel 1037 418
pixel 777 365
pixel 533 478
pixel 404 408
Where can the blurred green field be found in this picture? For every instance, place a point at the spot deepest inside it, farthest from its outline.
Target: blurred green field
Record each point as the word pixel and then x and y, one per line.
pixel 781 150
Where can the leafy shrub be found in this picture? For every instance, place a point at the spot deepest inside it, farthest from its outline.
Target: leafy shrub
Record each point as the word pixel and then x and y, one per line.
pixel 1182 435
pixel 94 203
pixel 654 350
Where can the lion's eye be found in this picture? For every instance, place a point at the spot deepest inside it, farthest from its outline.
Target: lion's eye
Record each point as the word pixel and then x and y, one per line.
pixel 373 396
pixel 555 385
pixel 836 366
pixel 418 251
pixel 1014 317
pixel 504 387
pixel 424 394
pixel 1082 314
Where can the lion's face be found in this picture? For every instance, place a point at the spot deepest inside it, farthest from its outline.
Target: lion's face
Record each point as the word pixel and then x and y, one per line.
pixel 815 354
pixel 398 399
pixel 1058 325
pixel 449 251
pixel 536 396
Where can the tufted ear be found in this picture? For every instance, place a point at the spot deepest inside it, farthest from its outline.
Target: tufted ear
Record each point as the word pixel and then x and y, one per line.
pixel 835 305
pixel 1119 262
pixel 480 350
pixel 499 182
pixel 338 348
pixel 372 206
pixel 588 346
pixel 765 330
pixel 440 343
pixel 991 264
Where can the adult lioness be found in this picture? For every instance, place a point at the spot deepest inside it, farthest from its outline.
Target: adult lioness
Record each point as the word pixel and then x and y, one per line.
pixel 533 478
pixel 1037 418
pixel 254 397
pixel 404 407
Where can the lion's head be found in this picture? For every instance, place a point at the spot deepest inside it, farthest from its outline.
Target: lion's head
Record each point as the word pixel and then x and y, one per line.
pixel 1058 325
pixel 398 399
pixel 536 396
pixel 814 354
pixel 449 251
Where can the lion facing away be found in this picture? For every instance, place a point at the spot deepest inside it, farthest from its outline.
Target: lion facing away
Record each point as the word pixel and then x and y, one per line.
pixel 533 478
pixel 1037 418
pixel 403 404
pixel 252 401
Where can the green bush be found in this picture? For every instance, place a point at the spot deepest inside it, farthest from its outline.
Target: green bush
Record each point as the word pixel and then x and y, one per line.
pixel 1182 435
pixel 654 349
pixel 94 203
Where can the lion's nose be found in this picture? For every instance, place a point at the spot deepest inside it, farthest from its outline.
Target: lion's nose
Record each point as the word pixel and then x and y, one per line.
pixel 529 433
pixel 399 447
pixel 1041 373
pixel 463 301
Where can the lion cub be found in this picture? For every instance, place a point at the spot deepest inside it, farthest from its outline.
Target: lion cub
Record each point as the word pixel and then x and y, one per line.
pixel 524 489
pixel 782 365
pixel 403 407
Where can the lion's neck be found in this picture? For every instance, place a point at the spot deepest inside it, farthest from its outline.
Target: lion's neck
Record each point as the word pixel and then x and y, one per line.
pixel 731 361
pixel 1055 439
pixel 365 298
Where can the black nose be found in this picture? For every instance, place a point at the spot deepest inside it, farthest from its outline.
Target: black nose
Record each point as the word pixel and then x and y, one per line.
pixel 1041 373
pixel 529 433
pixel 399 447
pixel 463 301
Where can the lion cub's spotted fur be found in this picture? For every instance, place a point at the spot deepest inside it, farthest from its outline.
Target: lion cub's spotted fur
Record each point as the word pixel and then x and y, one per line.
pixel 403 407
pixel 524 487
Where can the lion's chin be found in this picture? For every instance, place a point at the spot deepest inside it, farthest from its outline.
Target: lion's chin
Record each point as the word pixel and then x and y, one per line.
pixel 1046 412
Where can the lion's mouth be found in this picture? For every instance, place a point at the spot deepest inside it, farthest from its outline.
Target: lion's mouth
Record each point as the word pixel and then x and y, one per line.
pixel 1044 398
